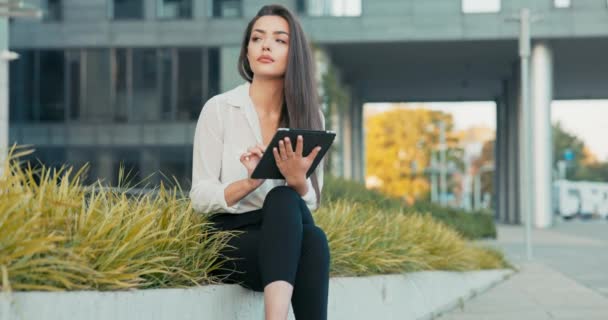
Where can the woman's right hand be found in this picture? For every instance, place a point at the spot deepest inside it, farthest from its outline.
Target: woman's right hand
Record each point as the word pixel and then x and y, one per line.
pixel 250 160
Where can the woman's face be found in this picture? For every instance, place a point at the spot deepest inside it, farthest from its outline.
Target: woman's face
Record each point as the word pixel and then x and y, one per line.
pixel 268 47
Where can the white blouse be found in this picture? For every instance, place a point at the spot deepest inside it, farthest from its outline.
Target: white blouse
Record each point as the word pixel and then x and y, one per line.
pixel 227 126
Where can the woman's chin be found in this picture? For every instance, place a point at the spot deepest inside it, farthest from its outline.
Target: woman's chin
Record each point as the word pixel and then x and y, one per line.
pixel 268 75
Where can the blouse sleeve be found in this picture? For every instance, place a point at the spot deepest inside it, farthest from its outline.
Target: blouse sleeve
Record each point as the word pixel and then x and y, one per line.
pixel 311 197
pixel 207 193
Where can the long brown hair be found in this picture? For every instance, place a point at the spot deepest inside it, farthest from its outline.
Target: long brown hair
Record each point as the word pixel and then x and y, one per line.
pixel 301 103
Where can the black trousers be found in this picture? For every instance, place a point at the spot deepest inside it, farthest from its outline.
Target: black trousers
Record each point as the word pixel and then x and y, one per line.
pixel 280 241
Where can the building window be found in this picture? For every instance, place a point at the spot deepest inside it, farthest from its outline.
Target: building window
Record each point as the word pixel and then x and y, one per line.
pixel 126 9
pixel 74 83
pixel 561 3
pixel 174 9
pixel 52 10
pixel 22 88
pixel 227 8
pixel 189 83
pixel 334 8
pixel 145 92
pixel 120 76
pixel 480 6
pixel 97 87
pixel 52 85
pixel 175 162
pixel 37 88
pixel 168 81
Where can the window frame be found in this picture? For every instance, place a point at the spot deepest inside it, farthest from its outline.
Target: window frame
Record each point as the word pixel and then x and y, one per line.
pixel 211 8
pixel 111 16
pixel 462 9
pixel 159 11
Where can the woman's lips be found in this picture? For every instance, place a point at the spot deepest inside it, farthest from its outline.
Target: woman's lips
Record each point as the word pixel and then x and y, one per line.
pixel 265 60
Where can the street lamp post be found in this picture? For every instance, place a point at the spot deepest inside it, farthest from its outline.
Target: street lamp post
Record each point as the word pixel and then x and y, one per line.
pixel 524 54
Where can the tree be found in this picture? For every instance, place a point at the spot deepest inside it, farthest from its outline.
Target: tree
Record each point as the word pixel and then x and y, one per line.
pixel 399 145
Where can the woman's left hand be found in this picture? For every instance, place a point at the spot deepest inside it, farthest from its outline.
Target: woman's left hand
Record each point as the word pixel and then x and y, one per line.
pixel 291 163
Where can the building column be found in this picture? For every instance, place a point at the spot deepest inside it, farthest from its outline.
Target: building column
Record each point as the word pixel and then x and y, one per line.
pixel 500 159
pixel 541 97
pixel 515 192
pixel 509 190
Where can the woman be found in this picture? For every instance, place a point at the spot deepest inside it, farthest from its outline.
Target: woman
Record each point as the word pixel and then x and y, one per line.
pixel 280 251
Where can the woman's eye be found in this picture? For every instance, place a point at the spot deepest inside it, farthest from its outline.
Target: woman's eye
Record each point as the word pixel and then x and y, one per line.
pixel 281 41
pixel 254 39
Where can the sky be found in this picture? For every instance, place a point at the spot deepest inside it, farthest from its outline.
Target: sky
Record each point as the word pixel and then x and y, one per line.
pixel 587 119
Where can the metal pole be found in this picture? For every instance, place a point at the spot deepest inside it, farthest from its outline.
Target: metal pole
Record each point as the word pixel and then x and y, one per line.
pixel 442 165
pixel 433 177
pixel 524 53
pixel 477 191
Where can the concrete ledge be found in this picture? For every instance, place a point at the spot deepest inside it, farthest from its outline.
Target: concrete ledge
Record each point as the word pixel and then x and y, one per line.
pixel 419 295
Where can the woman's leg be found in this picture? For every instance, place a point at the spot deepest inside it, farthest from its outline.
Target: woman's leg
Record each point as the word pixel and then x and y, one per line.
pixel 309 300
pixel 279 251
pixel 267 257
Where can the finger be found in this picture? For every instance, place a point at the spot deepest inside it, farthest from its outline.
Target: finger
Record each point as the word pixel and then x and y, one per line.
pixel 258 152
pixel 245 157
pixel 289 148
pixel 255 150
pixel 313 154
pixel 275 152
pixel 262 147
pixel 282 151
pixel 299 146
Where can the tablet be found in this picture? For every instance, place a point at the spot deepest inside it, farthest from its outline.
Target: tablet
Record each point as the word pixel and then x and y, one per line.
pixel 267 167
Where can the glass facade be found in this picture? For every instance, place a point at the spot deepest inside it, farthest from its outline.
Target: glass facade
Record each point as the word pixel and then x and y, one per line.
pixel 144 93
pixel 334 8
pixel 174 9
pixel 119 83
pixel 96 82
pixel 52 10
pixel 189 83
pixel 126 9
pixel 52 85
pixel 226 8
pixel 21 86
pixel 110 86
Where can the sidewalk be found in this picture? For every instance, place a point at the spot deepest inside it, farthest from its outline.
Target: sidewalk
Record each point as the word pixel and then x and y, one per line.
pixel 568 278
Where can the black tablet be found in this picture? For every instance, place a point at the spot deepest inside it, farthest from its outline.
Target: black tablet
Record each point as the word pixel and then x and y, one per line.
pixel 267 167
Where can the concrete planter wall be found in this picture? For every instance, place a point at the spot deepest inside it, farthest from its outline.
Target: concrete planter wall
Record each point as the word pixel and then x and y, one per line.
pixel 419 295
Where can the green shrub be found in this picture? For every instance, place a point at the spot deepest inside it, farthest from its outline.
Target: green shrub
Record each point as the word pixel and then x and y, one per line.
pixel 471 225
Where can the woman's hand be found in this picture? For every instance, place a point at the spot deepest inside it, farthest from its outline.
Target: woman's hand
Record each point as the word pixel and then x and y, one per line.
pixel 250 160
pixel 291 163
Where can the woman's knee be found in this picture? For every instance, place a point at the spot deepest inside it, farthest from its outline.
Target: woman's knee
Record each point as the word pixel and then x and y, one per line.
pixel 282 194
pixel 282 203
pixel 314 241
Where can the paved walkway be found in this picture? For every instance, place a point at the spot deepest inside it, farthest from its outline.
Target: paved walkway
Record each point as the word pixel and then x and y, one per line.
pixel 567 279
